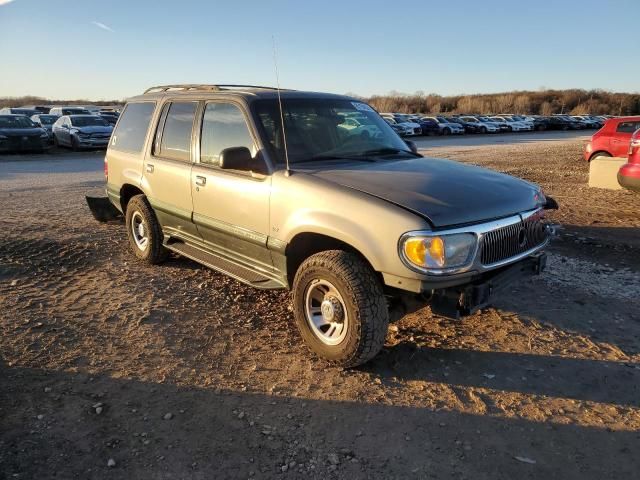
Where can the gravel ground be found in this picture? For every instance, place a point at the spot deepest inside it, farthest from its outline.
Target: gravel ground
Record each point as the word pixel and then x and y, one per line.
pixel 111 369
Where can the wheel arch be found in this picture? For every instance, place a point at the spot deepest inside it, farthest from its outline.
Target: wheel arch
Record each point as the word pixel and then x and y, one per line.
pixel 305 244
pixel 127 191
pixel 598 153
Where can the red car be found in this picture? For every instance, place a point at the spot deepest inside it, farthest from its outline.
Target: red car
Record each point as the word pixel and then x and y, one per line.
pixel 629 174
pixel 612 140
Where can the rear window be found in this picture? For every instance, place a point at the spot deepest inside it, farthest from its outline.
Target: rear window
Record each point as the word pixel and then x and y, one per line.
pixel 176 134
pixel 131 132
pixel 627 127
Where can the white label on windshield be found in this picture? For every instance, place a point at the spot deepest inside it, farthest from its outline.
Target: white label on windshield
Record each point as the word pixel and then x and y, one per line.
pixel 363 107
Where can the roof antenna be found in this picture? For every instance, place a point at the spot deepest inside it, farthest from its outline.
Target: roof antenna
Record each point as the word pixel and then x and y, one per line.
pixel 284 135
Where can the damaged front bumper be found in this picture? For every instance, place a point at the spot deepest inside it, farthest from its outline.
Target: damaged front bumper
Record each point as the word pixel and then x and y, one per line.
pixel 465 299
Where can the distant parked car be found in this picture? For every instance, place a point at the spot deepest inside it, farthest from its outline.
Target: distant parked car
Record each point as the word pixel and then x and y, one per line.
pixel 588 121
pixel 468 126
pixel 353 124
pixel 502 127
pixel 38 108
pixel 82 131
pixel 446 127
pixel 400 128
pixel 45 121
pixel 508 126
pixel 482 127
pixel 629 174
pixel 18 111
pixel 572 122
pixel 19 134
pixel 612 140
pixel 517 125
pixel 559 123
pixel 69 111
pixel 429 127
pixel 403 119
pixel 110 116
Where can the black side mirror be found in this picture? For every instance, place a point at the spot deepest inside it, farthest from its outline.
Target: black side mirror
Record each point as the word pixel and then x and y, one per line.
pixel 412 146
pixel 236 158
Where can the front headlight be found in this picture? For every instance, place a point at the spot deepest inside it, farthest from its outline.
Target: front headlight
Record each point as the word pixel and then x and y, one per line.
pixel 437 253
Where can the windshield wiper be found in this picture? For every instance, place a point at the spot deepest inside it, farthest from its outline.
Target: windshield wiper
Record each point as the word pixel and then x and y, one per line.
pixel 387 151
pixel 319 158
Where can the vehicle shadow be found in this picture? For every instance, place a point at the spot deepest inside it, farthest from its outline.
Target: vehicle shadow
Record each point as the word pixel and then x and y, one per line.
pixel 616 383
pixel 50 427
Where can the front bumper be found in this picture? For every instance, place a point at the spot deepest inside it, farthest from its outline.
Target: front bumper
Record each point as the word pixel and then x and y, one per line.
pixel 467 299
pixel 468 293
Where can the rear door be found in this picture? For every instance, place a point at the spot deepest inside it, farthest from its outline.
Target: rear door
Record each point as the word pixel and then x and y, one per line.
pixel 619 141
pixel 230 208
pixel 166 176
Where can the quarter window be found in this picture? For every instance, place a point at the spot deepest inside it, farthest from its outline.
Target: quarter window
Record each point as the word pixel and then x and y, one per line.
pixel 132 130
pixel 223 126
pixel 627 127
pixel 176 134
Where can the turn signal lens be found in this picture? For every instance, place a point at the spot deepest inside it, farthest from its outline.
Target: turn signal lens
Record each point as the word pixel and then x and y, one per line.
pixel 439 252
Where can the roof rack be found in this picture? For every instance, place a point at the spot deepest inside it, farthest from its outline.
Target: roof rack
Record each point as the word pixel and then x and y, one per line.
pixel 204 87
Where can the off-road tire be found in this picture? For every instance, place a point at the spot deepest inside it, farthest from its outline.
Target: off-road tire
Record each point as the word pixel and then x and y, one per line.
pixel 155 252
pixel 366 306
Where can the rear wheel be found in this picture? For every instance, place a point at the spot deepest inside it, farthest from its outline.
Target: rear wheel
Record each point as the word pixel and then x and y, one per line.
pixel 600 154
pixel 144 231
pixel 340 308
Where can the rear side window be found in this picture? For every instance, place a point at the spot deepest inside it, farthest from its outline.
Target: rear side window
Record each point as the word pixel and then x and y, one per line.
pixel 176 134
pixel 132 130
pixel 223 126
pixel 627 127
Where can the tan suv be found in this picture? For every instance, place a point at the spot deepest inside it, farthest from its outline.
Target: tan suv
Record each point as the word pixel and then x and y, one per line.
pixel 333 205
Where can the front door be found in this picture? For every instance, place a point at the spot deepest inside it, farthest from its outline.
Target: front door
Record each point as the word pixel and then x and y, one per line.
pixel 230 208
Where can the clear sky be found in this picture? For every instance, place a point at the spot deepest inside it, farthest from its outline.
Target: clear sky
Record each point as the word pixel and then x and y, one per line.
pixel 101 49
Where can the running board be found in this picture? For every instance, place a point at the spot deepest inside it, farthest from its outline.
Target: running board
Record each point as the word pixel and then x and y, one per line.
pixel 225 266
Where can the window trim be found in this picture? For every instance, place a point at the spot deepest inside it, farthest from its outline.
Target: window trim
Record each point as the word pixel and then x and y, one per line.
pixel 250 127
pixel 635 126
pixel 160 125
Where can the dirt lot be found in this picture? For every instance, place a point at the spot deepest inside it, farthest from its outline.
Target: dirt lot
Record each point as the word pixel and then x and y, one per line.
pixel 178 372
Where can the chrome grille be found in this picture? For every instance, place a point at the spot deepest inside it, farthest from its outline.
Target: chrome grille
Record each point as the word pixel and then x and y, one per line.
pixel 512 240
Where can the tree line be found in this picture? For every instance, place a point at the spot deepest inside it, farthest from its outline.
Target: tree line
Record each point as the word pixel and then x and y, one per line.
pixel 543 102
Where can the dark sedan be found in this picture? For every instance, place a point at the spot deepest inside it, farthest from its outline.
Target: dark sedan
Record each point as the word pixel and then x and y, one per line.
pixel 45 121
pixel 19 134
pixel 82 131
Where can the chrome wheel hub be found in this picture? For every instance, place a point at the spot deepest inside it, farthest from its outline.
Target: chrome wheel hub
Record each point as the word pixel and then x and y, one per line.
pixel 325 312
pixel 139 231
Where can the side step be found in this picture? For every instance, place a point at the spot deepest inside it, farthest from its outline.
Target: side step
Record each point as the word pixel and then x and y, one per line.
pixel 225 266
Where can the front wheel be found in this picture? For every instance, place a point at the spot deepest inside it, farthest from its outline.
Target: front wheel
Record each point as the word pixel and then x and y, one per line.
pixel 483 130
pixel 340 308
pixel 446 131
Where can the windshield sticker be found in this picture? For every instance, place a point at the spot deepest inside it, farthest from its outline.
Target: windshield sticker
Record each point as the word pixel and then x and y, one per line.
pixel 363 107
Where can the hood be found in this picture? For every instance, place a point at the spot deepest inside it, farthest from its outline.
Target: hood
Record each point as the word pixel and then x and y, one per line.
pixel 444 192
pixel 21 132
pixel 94 129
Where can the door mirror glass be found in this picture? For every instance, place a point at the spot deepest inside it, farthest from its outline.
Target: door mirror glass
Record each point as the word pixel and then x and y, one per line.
pixel 236 158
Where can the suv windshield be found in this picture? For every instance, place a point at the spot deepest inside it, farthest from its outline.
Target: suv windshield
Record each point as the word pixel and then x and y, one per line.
pixel 88 121
pixel 318 129
pixel 15 122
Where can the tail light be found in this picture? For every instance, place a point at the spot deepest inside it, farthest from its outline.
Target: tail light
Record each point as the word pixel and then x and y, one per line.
pixel 635 141
pixel 106 168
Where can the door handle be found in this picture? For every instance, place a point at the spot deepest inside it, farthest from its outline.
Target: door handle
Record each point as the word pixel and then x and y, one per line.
pixel 201 181
pixel 149 168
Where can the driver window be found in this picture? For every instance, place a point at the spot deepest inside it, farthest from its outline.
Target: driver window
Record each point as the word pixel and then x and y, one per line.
pixel 223 126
